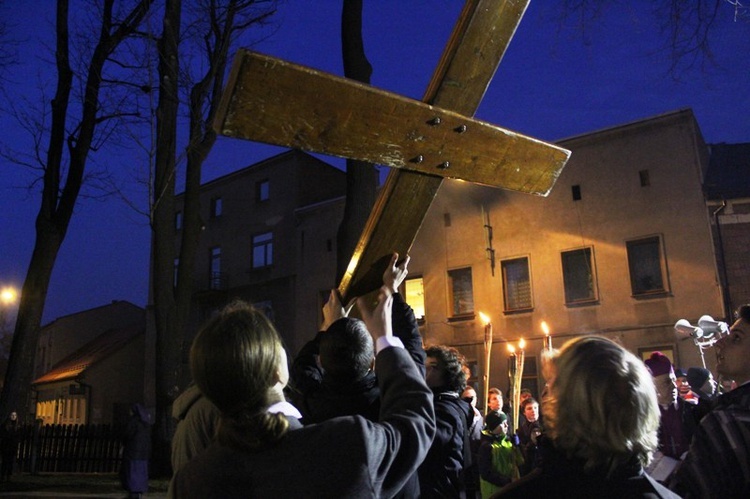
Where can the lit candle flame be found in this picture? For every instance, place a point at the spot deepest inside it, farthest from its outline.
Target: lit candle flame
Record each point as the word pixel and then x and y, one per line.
pixel 521 344
pixel 485 319
pixel 545 327
pixel 511 348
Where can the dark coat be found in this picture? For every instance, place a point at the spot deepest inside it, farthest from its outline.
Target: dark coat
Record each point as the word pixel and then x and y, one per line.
pixel 344 457
pixel 560 477
pixel 442 472
pixel 318 398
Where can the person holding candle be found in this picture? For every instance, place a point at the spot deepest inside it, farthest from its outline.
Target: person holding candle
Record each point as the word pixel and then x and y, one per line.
pixel 601 421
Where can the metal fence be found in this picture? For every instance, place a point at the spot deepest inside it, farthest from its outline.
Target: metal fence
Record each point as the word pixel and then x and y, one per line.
pixel 69 448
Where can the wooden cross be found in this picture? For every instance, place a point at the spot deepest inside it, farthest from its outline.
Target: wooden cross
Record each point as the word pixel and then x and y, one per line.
pixel 274 101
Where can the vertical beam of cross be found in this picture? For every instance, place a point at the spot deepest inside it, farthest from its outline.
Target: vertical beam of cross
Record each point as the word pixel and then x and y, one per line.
pixel 471 57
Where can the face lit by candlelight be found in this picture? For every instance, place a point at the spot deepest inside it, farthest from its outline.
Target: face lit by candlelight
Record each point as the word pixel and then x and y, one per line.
pixel 531 411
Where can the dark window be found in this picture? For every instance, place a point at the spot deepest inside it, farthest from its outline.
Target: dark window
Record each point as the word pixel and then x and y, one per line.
pixel 578 276
pixel 262 190
pixel 647 266
pixel 645 180
pixel 461 291
pixel 215 268
pixel 447 219
pixel 576 192
pixel 178 220
pixel 216 207
pixel 262 250
pixel 175 269
pixel 516 284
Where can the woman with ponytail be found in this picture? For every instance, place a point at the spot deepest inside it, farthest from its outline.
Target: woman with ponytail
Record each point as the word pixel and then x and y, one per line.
pixel 261 449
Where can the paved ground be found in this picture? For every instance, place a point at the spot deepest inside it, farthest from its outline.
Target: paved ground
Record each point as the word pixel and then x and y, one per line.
pixel 63 485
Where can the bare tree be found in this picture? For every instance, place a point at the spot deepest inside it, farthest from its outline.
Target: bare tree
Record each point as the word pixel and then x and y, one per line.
pixel 216 24
pixel 688 28
pixel 70 139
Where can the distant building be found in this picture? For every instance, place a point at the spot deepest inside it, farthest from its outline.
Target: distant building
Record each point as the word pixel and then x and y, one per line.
pixel 90 365
pixel 269 238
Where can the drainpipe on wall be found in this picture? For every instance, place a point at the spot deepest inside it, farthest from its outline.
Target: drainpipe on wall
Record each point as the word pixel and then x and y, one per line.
pixel 724 280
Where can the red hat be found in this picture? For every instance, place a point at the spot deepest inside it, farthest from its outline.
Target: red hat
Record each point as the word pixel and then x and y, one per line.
pixel 659 364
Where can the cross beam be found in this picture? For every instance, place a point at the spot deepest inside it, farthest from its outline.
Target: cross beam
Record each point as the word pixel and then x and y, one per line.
pixel 479 40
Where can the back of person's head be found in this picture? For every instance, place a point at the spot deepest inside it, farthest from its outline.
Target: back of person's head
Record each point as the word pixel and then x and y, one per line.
pixel 600 404
pixel 235 361
pixel 744 312
pixel 450 362
pixel 346 350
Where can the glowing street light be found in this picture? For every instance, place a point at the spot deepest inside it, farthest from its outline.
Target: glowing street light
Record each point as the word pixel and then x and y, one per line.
pixel 8 296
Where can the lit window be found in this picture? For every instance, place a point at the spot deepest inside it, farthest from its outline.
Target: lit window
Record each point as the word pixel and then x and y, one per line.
pixel 461 291
pixel 578 276
pixel 215 268
pixel 516 284
pixel 647 266
pixel 262 190
pixel 216 207
pixel 414 296
pixel 262 250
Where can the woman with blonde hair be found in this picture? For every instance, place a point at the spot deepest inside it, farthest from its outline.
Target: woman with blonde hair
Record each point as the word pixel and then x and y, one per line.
pixel 261 448
pixel 601 421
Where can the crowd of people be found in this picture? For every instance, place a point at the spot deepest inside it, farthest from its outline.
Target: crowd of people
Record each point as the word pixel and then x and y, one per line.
pixel 365 410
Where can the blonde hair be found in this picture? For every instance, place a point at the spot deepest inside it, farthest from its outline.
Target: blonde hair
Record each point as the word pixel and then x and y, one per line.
pixel 234 361
pixel 600 404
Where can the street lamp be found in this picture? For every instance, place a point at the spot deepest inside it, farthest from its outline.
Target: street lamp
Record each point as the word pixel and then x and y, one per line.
pixel 8 296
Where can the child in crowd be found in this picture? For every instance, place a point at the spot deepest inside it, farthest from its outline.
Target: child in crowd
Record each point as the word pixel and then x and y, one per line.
pixel 498 458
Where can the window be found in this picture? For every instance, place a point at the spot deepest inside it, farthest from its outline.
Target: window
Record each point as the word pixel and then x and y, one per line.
pixel 516 284
pixel 175 271
pixel 214 271
pixel 262 250
pixel 178 220
pixel 216 206
pixel 576 190
pixel 414 296
pixel 262 190
pixel 461 291
pixel 578 276
pixel 645 180
pixel 647 266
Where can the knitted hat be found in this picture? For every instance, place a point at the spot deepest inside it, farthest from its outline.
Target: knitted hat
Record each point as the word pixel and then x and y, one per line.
pixel 494 419
pixel 697 377
pixel 659 364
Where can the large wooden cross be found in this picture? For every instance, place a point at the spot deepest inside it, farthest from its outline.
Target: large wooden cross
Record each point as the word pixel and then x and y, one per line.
pixel 274 101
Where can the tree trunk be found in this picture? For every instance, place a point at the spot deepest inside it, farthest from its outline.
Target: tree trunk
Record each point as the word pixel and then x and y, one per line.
pixel 169 325
pixel 361 177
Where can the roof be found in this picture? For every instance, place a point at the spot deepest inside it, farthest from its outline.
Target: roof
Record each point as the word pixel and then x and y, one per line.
pixel 728 174
pixel 98 349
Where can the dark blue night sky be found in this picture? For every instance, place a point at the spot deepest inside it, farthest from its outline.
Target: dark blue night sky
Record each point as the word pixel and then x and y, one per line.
pixel 554 82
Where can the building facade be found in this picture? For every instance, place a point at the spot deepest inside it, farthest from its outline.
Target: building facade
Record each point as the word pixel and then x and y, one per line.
pixel 269 238
pixel 622 247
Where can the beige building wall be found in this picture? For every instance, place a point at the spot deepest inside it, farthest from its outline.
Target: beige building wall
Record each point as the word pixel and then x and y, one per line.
pixel 614 207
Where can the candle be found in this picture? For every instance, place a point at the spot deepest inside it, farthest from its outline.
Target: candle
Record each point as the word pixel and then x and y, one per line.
pixel 547 337
pixel 487 351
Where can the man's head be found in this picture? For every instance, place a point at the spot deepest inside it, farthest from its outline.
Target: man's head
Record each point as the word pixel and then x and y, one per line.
pixel 733 351
pixel 683 385
pixel 530 409
pixel 664 379
pixel 701 381
pixel 600 405
pixel 444 369
pixel 494 399
pixel 346 350
pixel 496 423
pixel 470 395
